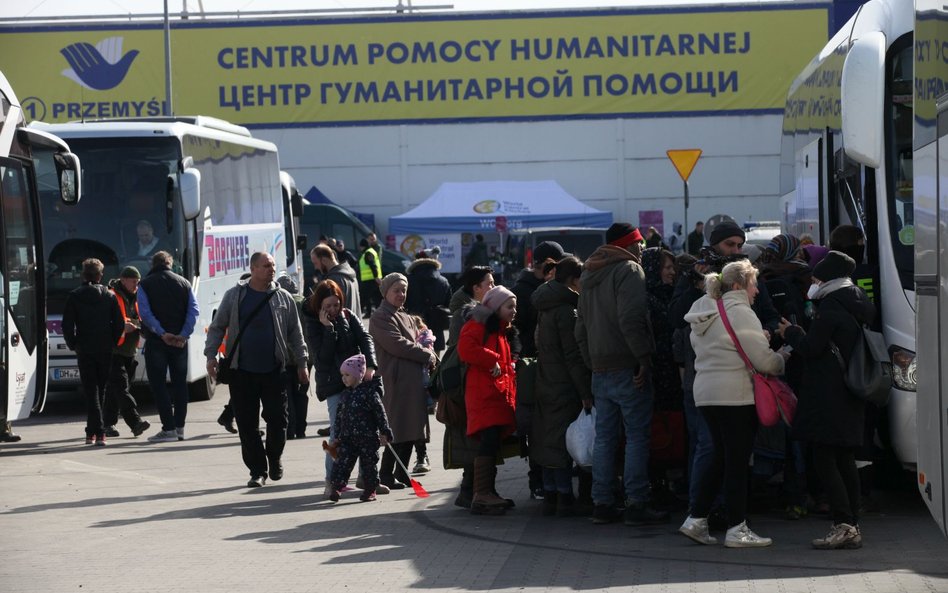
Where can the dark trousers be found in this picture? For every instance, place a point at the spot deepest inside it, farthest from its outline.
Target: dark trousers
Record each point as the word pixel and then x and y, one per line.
pixel 297 401
pixel 732 433
pixel 389 472
pixel 94 375
pixel 366 450
pixel 118 395
pixel 248 392
pixel 370 296
pixel 160 361
pixel 836 468
pixel 489 442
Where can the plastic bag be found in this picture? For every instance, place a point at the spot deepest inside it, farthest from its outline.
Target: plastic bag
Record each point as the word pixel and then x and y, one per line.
pixel 581 436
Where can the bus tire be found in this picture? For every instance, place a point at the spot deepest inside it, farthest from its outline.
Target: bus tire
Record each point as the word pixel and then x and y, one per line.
pixel 202 390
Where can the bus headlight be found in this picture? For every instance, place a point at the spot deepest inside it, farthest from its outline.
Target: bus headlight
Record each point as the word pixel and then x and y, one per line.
pixel 904 369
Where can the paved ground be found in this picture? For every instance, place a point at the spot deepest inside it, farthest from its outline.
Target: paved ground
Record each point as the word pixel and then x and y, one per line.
pixel 142 517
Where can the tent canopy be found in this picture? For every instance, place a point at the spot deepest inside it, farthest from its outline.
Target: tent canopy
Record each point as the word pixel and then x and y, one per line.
pixel 314 196
pixel 475 207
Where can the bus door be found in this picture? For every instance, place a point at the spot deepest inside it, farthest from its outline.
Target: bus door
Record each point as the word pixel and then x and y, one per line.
pixel 24 346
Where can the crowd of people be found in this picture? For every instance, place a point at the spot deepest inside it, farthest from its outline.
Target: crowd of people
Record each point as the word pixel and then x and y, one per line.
pixel 661 346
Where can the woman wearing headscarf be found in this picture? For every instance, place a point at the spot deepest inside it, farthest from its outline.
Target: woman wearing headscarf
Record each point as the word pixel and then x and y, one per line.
pixel 563 385
pixel 490 392
pixel 402 361
pixel 830 418
pixel 786 275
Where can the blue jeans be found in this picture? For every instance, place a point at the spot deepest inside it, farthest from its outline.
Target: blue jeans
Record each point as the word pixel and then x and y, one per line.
pixel 160 361
pixel 700 448
pixel 333 403
pixel 620 404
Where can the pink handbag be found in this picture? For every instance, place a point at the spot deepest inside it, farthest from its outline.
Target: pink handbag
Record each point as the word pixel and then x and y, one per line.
pixel 773 399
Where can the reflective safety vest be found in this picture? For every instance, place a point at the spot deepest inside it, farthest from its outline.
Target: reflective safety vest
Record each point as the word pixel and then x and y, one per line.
pixel 121 304
pixel 365 270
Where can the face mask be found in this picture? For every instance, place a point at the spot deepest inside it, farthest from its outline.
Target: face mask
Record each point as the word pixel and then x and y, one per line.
pixel 811 293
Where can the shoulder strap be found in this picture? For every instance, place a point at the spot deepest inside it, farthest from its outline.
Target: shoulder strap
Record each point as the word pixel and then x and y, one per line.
pixel 730 331
pixel 253 314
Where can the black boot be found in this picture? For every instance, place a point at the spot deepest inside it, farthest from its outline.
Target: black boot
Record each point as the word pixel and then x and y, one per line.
pixel 565 504
pixel 584 503
pixel 549 503
pixel 226 419
pixel 466 492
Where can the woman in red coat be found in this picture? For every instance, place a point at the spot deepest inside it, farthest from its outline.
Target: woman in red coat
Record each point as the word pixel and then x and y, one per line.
pixel 490 390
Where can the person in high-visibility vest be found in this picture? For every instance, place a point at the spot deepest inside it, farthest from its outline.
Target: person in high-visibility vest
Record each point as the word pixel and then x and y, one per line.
pixel 118 395
pixel 370 274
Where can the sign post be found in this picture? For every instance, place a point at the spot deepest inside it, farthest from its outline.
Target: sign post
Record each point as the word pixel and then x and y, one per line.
pixel 684 161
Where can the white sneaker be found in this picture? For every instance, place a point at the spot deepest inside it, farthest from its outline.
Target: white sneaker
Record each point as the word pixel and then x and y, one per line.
pixel 180 433
pixel 697 530
pixel 741 536
pixel 164 436
pixel 840 537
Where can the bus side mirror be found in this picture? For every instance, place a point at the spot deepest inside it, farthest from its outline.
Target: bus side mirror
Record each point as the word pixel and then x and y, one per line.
pixel 862 100
pixel 296 204
pixel 191 193
pixel 301 242
pixel 69 171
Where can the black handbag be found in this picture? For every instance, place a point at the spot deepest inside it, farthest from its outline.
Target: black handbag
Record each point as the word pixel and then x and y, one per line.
pixel 225 370
pixel 866 376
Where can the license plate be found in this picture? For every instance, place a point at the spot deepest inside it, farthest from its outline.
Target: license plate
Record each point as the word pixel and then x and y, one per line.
pixel 64 374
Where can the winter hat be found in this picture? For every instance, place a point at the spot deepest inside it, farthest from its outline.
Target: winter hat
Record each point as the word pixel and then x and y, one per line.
pixel 785 247
pixel 835 265
pixel 725 229
pixel 548 250
pixel 390 280
pixel 130 272
pixel 287 283
pixel 751 251
pixel 354 365
pixel 815 254
pixel 623 234
pixel 496 297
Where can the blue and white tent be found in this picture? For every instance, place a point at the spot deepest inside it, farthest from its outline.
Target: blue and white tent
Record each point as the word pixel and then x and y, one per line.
pixel 475 207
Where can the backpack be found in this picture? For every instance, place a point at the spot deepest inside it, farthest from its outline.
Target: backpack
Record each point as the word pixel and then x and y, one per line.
pixel 865 375
pixel 449 380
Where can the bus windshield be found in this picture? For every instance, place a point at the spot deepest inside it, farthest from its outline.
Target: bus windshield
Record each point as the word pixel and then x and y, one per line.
pixel 124 217
pixel 901 204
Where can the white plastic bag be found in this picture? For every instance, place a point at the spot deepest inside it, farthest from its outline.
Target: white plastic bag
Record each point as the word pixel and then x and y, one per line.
pixel 581 436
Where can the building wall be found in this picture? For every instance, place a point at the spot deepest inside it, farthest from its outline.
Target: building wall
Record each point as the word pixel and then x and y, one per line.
pixel 618 165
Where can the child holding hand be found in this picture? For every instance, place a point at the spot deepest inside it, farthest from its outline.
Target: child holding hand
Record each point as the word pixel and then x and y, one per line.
pixel 360 427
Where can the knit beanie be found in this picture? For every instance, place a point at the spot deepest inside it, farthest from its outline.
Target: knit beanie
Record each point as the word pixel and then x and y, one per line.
pixel 130 272
pixel 548 250
pixel 496 297
pixel 785 247
pixel 390 280
pixel 725 229
pixel 835 265
pixel 623 234
pixel 354 365
pixel 752 252
pixel 815 254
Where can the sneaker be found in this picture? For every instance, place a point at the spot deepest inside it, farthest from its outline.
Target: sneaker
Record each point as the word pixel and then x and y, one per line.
pixel 840 537
pixel 276 470
pixel 422 466
pixel 368 496
pixel 164 436
pixel 536 493
pixel 180 433
pixel 256 482
pixel 741 536
pixel 605 513
pixel 111 432
pixel 697 530
pixel 100 441
pixel 639 513
pixel 141 427
pixel 90 439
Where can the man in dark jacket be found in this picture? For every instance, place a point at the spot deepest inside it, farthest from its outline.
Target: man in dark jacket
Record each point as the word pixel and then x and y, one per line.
pixel 118 396
pixel 92 325
pixel 477 256
pixel 324 259
pixel 429 295
pixel 615 338
pixel 169 311
pixel 696 239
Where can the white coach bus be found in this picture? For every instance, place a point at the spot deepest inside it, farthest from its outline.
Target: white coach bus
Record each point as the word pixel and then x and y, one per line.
pixel 25 156
pixel 200 188
pixel 847 159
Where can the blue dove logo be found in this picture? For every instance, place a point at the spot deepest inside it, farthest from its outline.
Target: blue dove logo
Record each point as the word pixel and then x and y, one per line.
pixel 100 67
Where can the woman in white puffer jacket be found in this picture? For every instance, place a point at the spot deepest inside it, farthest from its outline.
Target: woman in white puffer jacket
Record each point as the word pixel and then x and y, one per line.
pixel 724 395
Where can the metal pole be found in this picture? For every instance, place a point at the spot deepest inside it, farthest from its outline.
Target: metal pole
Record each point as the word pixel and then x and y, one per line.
pixel 168 109
pixel 687 229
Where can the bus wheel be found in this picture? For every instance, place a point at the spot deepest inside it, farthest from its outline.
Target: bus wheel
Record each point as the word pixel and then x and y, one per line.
pixel 202 389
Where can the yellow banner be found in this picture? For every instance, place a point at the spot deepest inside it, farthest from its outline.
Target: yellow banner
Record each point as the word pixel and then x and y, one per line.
pixel 417 69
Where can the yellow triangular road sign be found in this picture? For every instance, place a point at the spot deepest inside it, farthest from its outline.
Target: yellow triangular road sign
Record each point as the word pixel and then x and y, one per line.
pixel 684 161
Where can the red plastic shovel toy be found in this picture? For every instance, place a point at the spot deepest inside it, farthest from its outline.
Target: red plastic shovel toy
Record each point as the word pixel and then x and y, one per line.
pixel 420 491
